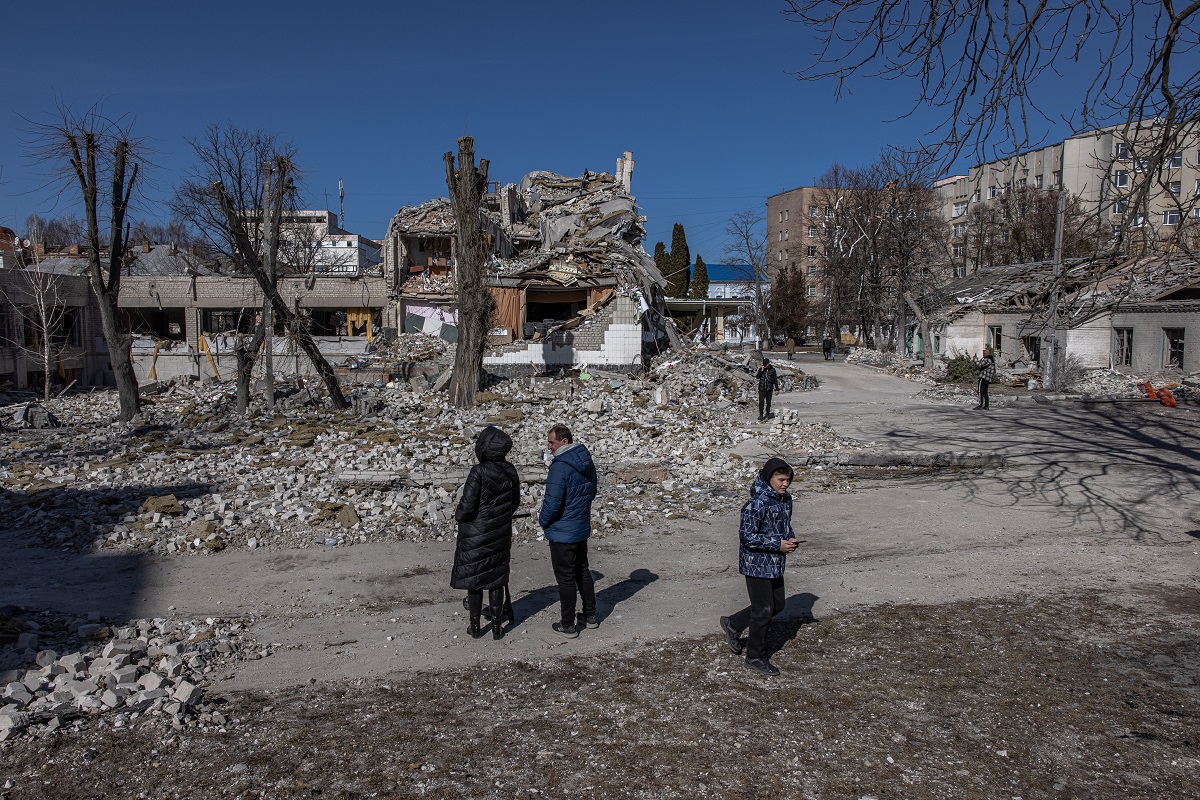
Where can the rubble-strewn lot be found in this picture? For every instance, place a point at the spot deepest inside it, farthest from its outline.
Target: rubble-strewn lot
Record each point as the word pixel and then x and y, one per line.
pixel 1069 696
pixel 190 476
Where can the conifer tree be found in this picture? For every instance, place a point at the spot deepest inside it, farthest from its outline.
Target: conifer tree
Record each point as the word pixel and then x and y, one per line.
pixel 662 259
pixel 680 262
pixel 699 285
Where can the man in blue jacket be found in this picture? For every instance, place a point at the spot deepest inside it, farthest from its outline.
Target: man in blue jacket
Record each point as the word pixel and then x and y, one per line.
pixel 566 517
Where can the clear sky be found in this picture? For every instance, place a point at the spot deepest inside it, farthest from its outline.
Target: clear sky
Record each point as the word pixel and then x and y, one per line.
pixel 374 93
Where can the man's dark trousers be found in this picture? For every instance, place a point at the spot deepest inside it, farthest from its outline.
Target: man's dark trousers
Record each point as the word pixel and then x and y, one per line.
pixel 571 570
pixel 764 404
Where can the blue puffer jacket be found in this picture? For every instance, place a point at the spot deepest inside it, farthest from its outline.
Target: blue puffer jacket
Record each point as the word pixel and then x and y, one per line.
pixel 570 487
pixel 766 521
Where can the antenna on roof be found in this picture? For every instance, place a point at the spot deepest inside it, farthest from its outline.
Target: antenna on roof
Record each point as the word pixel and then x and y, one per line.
pixel 341 205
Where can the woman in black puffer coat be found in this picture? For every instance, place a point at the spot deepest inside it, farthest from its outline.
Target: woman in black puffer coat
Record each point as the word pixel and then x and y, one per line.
pixel 490 498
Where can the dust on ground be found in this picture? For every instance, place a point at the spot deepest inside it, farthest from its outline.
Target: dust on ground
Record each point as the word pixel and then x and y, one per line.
pixel 1071 695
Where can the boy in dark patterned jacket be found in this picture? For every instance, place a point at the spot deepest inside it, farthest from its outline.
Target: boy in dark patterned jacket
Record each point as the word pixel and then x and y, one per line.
pixel 766 539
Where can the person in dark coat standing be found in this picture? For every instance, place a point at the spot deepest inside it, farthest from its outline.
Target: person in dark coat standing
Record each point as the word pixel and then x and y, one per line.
pixel 768 387
pixel 484 514
pixel 987 374
pixel 766 537
pixel 566 517
pixel 827 348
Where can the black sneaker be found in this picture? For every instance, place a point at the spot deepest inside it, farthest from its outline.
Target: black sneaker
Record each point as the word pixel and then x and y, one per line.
pixel 569 631
pixel 763 666
pixel 731 636
pixel 589 621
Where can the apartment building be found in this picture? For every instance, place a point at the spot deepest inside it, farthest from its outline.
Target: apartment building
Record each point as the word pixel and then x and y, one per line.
pixel 795 220
pixel 1103 168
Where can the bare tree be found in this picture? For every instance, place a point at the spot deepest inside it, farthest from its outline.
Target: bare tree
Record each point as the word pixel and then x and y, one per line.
pixel 82 147
pixel 746 250
pixel 238 207
pixel 467 185
pixel 43 318
pixel 1019 228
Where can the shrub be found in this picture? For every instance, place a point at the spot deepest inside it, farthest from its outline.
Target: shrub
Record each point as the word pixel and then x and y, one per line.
pixel 960 368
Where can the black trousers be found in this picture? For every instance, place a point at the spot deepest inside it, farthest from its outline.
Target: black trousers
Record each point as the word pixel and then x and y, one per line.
pixel 766 600
pixel 764 403
pixel 983 393
pixel 572 572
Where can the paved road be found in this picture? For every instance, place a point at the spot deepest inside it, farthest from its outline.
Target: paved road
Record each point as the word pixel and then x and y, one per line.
pixel 1101 498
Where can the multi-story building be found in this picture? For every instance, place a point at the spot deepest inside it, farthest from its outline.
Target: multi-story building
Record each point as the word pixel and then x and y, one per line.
pixel 1104 168
pixel 795 234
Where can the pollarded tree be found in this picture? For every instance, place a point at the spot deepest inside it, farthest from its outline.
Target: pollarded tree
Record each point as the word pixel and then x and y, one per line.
pixel 99 158
pixel 699 284
pixel 235 195
pixel 468 184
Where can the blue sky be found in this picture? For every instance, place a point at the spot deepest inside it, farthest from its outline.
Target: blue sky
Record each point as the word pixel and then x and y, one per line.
pixel 375 93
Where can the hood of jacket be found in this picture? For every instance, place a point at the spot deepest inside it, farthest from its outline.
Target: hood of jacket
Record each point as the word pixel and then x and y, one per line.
pixel 761 488
pixel 577 457
pixel 492 444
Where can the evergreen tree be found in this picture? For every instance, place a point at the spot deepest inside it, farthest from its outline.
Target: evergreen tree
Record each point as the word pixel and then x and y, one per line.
pixel 680 262
pixel 662 259
pixel 699 285
pixel 787 307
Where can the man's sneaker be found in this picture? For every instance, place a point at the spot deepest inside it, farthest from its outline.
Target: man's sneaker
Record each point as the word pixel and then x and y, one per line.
pixel 731 636
pixel 762 665
pixel 569 631
pixel 590 621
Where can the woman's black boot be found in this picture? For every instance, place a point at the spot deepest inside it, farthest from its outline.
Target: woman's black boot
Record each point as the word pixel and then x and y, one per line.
pixel 496 601
pixel 474 607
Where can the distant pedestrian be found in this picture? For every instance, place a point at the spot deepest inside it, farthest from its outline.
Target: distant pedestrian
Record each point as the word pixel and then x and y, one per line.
pixel 987 375
pixel 827 348
pixel 768 386
pixel 484 514
pixel 766 537
pixel 566 517
pixel 791 347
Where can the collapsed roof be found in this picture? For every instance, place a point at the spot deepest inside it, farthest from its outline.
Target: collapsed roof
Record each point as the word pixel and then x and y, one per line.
pixel 1087 288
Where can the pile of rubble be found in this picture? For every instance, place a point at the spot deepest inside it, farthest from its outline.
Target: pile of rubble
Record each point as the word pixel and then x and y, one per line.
pixel 189 476
pixel 148 671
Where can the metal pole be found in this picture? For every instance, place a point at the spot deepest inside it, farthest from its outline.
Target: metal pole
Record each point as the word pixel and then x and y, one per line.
pixel 268 310
pixel 1052 371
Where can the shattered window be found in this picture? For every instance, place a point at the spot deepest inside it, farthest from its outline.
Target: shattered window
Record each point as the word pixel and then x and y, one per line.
pixel 1173 348
pixel 995 338
pixel 1122 347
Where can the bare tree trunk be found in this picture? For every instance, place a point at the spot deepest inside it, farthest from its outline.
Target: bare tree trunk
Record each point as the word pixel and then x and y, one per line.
pixel 926 332
pixel 278 306
pixel 107 287
pixel 467 185
pixel 245 351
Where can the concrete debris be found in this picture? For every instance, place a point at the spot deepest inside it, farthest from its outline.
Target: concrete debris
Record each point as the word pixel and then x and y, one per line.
pixel 190 477
pixel 145 671
pixel 33 415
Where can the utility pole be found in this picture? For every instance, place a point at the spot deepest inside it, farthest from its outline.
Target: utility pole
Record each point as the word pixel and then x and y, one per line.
pixel 269 250
pixel 1052 371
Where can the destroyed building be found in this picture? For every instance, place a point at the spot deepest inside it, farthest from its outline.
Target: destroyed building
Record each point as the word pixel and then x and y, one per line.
pixel 1135 316
pixel 571 282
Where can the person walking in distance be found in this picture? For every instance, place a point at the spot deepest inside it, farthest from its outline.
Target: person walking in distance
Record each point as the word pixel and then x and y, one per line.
pixel 566 517
pixel 827 348
pixel 766 537
pixel 791 347
pixel 987 374
pixel 484 514
pixel 768 386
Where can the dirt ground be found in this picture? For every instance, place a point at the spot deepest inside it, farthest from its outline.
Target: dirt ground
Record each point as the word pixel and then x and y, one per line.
pixel 1028 631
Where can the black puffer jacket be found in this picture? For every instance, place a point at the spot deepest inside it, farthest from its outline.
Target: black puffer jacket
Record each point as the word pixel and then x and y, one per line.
pixel 484 514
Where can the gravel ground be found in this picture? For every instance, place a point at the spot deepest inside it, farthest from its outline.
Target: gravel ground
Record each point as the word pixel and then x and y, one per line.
pixel 1076 695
